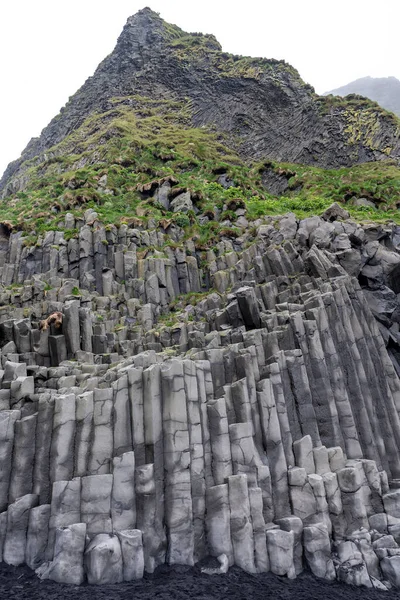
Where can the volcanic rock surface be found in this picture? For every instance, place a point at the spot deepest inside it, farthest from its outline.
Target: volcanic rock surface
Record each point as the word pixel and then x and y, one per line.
pixel 193 383
pixel 262 428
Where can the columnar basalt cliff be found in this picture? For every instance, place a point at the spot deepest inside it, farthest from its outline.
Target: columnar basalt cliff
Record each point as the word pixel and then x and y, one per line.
pixel 189 377
pixel 262 427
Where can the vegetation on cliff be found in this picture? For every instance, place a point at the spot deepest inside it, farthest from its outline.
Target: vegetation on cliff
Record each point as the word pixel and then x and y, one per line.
pixel 384 90
pixel 113 160
pixel 110 162
pixel 163 92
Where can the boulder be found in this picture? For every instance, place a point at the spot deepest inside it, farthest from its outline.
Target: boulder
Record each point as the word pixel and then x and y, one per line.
pixel 67 566
pixel 352 568
pixel 317 550
pixel 280 549
pixel 181 203
pixel 391 570
pixel 103 560
pixel 132 553
pixel 334 212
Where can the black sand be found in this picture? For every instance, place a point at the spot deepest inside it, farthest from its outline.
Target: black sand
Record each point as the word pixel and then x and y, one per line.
pixel 182 583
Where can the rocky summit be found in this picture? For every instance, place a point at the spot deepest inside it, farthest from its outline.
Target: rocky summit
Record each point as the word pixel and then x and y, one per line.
pixel 199 324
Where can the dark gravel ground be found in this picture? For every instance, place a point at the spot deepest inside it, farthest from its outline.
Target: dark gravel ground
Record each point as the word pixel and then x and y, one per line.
pixel 181 583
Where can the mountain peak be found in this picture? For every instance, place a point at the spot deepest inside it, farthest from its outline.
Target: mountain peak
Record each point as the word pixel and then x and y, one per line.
pixel 261 107
pixel 142 32
pixel 145 12
pixel 146 26
pixel 145 18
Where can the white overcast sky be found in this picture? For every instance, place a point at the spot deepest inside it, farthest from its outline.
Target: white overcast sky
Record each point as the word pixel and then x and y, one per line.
pixel 49 47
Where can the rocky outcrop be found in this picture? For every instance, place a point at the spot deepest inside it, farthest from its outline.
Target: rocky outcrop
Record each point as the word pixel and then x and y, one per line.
pixel 262 106
pixel 261 428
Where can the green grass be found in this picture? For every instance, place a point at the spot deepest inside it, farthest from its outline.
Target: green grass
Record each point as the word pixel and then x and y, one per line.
pixel 138 141
pixel 312 190
pixel 140 144
pixel 354 101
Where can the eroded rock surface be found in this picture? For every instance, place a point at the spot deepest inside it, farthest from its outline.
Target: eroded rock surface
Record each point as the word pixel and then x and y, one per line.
pixel 261 428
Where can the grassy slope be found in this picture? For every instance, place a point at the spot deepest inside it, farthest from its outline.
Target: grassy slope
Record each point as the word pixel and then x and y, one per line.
pixel 139 141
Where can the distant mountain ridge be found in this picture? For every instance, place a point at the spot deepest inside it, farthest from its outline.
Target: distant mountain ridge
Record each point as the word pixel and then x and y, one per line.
pixel 383 90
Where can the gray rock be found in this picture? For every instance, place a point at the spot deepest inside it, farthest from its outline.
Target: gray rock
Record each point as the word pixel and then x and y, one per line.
pixel 223 568
pixel 178 500
pixel 218 525
pixel 21 388
pixel 57 349
pixel 391 502
pixel 71 328
pixel 317 550
pixel 288 226
pixel 162 194
pixel 150 517
pixel 3 531
pixel 84 432
pixel 295 525
pixel 363 202
pixel 306 226
pixel 102 443
pixel 391 569
pixel 67 566
pixel 182 203
pixel 65 510
pixel 123 500
pixel 8 419
pixel 352 569
pixel 17 527
pixel 322 235
pixel 96 503
pixel 273 442
pixel 121 416
pixel 61 452
pixel 280 549
pixel 261 557
pixel 37 536
pixel 241 525
pixel 220 441
pixel 301 494
pixel 334 212
pixel 132 553
pixel 303 451
pixel 135 390
pixel 321 460
pixel 336 459
pixel 248 307
pixel 103 560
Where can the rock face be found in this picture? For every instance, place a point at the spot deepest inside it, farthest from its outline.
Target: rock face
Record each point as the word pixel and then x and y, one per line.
pixel 263 107
pixel 261 429
pixel 162 401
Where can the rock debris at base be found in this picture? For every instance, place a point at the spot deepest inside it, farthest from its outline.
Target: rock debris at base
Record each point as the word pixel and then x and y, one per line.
pixel 261 429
